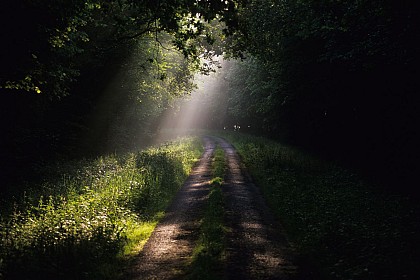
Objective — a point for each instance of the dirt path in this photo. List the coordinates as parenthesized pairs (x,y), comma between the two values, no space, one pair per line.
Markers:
(256,247)
(171,244)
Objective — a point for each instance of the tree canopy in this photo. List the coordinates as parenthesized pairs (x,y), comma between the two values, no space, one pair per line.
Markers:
(337,76)
(93,76)
(48,43)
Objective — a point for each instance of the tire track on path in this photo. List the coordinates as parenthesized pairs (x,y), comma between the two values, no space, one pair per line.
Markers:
(256,246)
(170,246)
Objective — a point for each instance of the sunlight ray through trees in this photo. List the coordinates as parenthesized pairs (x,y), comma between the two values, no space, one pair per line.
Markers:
(83,79)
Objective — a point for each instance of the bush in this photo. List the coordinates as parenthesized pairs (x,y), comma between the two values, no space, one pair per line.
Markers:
(340,224)
(82,231)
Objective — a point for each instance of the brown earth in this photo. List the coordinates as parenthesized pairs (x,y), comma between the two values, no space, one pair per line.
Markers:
(256,247)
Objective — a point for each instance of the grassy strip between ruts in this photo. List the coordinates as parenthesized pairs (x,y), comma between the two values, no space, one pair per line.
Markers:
(208,253)
(91,216)
(343,226)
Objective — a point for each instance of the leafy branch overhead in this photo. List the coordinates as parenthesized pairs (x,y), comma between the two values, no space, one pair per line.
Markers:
(65,37)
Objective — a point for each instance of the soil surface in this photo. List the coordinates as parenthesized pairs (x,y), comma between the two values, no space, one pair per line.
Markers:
(255,244)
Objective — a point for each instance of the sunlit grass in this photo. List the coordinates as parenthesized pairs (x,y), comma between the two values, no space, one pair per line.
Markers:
(82,225)
(137,235)
(341,225)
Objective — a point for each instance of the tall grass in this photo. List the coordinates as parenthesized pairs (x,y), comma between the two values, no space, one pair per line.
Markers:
(341,225)
(84,223)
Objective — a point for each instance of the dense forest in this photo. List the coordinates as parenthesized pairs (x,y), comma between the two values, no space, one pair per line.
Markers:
(316,101)
(87,77)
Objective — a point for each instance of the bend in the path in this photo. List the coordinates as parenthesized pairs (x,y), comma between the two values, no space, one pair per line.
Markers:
(170,246)
(256,246)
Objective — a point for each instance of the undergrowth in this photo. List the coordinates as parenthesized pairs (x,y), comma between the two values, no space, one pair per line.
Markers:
(208,253)
(340,225)
(85,221)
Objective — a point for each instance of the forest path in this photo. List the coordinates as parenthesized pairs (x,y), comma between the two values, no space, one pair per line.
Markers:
(255,246)
(169,248)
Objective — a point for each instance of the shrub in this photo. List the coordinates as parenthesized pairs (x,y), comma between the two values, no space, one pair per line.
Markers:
(82,231)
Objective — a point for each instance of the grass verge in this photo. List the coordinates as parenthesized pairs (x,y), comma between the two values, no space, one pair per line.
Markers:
(344,227)
(208,253)
(86,220)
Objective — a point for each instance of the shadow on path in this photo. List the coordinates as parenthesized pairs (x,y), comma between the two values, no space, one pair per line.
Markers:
(170,246)
(256,247)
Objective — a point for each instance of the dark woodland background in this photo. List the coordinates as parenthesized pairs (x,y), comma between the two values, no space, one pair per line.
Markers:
(339,78)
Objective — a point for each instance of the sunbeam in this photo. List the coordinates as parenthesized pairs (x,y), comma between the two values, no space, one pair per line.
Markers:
(203,109)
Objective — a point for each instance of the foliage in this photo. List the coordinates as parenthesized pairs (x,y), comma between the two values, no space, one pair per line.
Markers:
(147,84)
(254,95)
(340,226)
(325,73)
(47,56)
(116,106)
(90,77)
(82,227)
